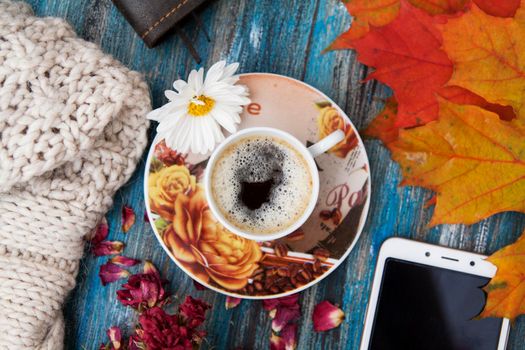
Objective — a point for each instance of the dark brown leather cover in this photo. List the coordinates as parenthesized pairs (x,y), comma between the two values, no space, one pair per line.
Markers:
(151,19)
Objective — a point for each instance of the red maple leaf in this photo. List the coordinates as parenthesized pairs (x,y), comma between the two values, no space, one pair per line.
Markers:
(407,56)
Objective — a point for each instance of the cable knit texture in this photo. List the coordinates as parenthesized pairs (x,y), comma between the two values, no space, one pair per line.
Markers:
(72,129)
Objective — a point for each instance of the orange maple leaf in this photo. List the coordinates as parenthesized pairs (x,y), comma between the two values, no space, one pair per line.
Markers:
(487,53)
(385,125)
(472,160)
(365,13)
(506,290)
(377,13)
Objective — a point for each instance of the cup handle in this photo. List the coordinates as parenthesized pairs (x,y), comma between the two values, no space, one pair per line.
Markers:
(326,143)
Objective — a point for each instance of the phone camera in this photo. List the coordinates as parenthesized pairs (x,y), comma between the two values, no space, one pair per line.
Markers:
(427,254)
(472,263)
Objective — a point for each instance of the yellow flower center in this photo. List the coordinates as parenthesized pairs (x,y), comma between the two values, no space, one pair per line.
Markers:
(200,106)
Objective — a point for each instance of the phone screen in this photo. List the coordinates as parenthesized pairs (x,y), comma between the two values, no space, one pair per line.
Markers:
(427,307)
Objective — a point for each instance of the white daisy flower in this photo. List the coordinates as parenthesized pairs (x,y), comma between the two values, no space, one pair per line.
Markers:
(192,120)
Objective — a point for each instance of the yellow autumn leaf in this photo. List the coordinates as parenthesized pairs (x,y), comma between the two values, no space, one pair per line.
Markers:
(378,13)
(472,160)
(488,54)
(506,290)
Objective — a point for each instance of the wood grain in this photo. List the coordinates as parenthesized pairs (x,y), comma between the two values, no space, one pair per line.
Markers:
(284,37)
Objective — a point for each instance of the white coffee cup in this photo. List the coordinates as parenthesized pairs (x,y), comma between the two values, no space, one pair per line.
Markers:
(307,153)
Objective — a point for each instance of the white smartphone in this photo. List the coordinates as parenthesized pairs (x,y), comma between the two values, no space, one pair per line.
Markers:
(426,297)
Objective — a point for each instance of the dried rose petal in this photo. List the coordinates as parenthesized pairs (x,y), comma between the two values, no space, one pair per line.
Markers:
(276,342)
(115,337)
(327,316)
(270,304)
(134,343)
(289,300)
(107,248)
(232,302)
(272,313)
(128,218)
(193,311)
(284,315)
(143,290)
(198,286)
(149,268)
(289,335)
(124,261)
(286,339)
(159,330)
(110,272)
(100,233)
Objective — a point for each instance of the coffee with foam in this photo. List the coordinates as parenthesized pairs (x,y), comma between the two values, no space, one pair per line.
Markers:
(261,184)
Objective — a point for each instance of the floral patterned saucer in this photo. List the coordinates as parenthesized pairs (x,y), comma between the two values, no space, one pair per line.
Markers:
(218,259)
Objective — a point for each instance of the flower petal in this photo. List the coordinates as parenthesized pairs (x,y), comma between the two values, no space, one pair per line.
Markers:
(224,120)
(134,343)
(128,218)
(232,302)
(110,272)
(272,313)
(149,268)
(124,261)
(284,315)
(270,304)
(215,73)
(289,300)
(276,342)
(101,232)
(286,340)
(327,316)
(142,291)
(289,335)
(179,85)
(193,310)
(230,70)
(115,337)
(107,248)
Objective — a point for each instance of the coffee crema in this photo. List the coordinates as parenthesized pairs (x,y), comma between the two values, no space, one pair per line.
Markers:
(261,184)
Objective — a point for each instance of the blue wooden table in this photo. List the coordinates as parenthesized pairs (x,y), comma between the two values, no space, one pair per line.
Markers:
(284,37)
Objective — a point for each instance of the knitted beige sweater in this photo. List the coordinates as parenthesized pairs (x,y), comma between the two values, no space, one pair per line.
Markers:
(72,128)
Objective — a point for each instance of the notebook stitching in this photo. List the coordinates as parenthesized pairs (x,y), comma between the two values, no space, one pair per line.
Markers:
(163,18)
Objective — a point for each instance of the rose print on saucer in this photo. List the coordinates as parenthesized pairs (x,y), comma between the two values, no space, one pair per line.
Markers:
(222,261)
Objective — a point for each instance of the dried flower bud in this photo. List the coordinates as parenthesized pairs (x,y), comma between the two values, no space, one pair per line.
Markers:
(232,302)
(327,316)
(110,272)
(128,218)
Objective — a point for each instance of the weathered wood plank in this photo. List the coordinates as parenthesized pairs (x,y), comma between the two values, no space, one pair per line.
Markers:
(284,37)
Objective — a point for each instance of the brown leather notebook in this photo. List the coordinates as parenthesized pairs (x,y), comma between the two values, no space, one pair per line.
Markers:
(151,19)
